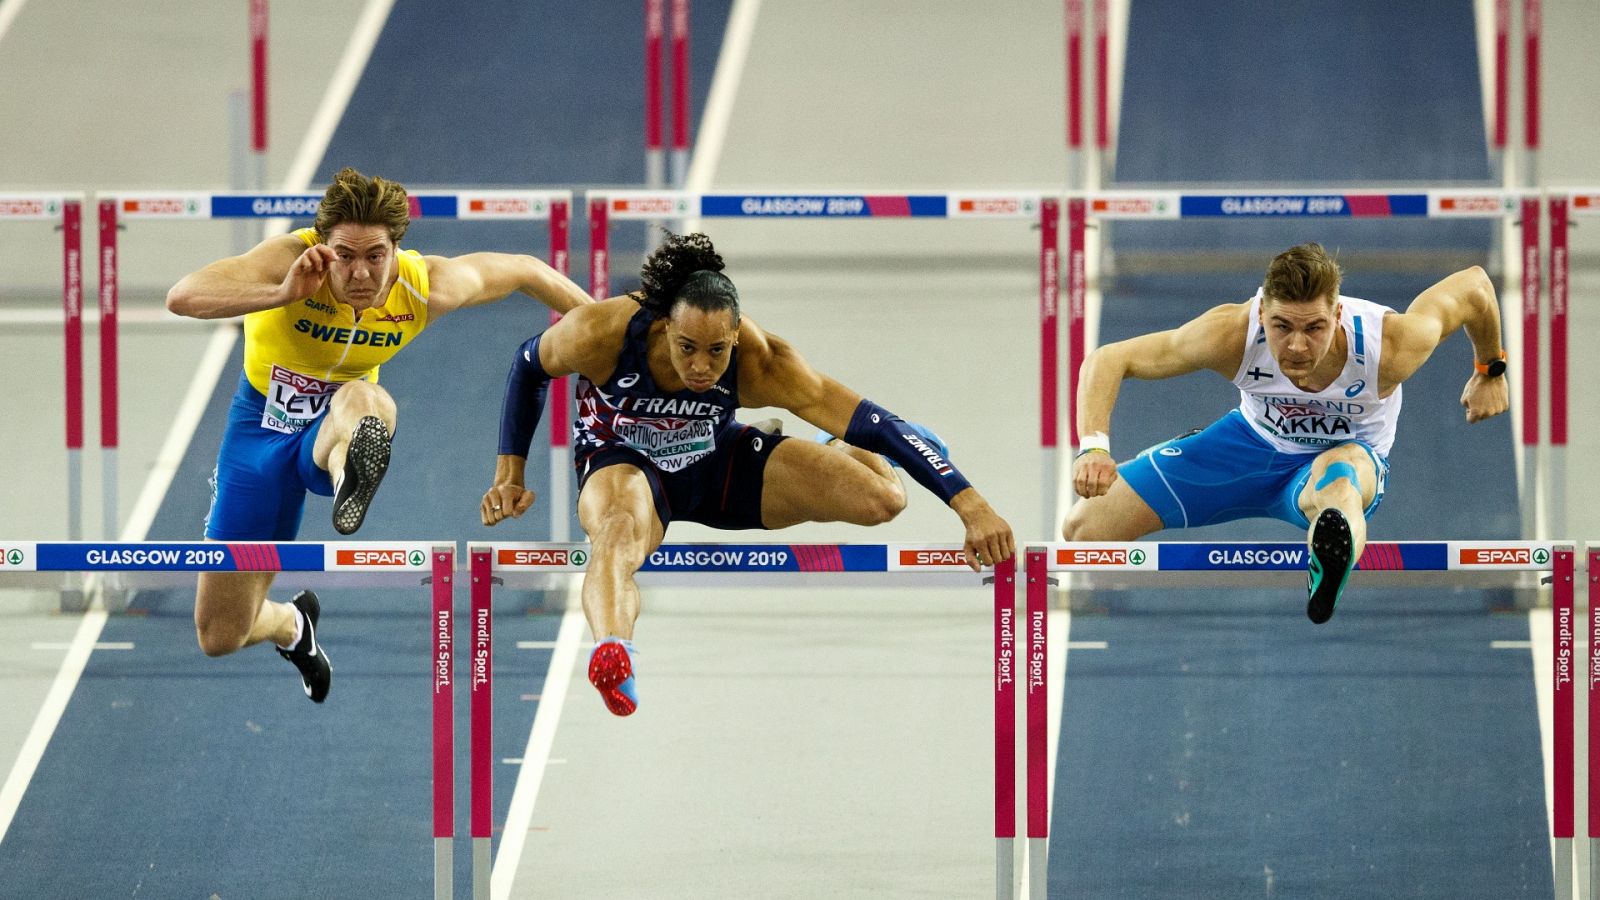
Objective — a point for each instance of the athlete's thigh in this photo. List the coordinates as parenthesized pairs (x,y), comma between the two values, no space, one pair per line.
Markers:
(233,598)
(1119,514)
(809,482)
(621,490)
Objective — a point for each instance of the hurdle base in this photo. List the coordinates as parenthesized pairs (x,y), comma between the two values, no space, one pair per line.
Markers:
(444,876)
(482,867)
(1005,868)
(1038,869)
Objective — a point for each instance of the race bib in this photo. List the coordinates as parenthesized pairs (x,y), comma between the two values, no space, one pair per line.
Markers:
(672,444)
(295,401)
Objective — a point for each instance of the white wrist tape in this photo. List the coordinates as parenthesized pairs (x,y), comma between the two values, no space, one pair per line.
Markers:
(1096,441)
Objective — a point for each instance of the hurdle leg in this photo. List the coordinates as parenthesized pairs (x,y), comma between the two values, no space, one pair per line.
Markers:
(441,626)
(481,748)
(1038,720)
(1005,730)
(1563,642)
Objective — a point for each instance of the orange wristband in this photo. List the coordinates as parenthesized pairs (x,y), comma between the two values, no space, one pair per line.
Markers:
(1483,368)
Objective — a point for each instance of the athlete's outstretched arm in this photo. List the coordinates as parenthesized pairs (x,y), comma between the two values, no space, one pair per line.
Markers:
(275,272)
(1214,340)
(772,373)
(581,342)
(1463,300)
(478,278)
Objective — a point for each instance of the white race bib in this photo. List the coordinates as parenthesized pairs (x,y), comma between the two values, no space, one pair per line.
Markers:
(672,444)
(295,401)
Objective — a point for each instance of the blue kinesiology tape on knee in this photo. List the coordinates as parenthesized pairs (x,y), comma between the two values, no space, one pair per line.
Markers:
(527,385)
(1338,470)
(876,429)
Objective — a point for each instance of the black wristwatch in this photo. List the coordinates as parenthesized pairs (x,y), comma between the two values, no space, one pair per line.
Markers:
(1494,368)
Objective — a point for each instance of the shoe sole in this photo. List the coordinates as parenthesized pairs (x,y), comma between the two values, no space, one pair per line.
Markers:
(609,667)
(1331,546)
(365,463)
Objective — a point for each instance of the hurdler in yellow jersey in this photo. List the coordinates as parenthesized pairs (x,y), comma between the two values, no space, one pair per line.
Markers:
(324,308)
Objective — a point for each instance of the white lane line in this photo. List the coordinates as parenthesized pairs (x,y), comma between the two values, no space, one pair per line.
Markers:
(44,724)
(537,755)
(343,83)
(1086,645)
(63,645)
(707,152)
(312,147)
(184,425)
(1511,645)
(8,14)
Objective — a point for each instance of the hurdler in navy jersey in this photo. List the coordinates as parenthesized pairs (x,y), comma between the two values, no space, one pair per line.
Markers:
(1319,378)
(661,374)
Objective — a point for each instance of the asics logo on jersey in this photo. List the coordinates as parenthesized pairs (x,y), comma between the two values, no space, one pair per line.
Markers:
(627,381)
(1355,389)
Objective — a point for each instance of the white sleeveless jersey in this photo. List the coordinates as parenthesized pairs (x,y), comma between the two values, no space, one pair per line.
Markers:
(1295,421)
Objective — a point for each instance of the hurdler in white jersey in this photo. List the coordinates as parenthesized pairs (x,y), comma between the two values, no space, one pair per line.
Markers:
(1349,409)
(1320,382)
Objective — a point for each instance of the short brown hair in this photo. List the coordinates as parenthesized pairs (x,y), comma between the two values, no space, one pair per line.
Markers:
(353,197)
(1301,274)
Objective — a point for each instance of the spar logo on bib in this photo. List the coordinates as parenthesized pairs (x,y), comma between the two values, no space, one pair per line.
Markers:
(294,400)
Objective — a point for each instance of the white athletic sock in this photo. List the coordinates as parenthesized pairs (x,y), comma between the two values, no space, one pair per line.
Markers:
(299,628)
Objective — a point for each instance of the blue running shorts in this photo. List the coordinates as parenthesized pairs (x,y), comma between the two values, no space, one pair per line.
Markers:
(258,489)
(1226,472)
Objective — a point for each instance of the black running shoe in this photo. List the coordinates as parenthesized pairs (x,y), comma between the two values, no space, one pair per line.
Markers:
(307,654)
(364,464)
(1331,559)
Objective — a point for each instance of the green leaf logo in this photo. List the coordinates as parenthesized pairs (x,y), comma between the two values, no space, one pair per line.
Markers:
(1541,556)
(578,557)
(1136,557)
(418,558)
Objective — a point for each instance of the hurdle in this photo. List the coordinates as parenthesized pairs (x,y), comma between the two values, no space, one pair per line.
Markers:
(116,207)
(367,563)
(1439,563)
(1263,203)
(606,206)
(542,564)
(65,211)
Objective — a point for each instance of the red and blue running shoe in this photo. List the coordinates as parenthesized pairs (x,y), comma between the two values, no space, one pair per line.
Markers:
(611,672)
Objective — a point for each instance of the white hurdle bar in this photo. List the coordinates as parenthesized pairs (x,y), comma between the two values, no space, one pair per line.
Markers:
(510,204)
(1043,207)
(362,562)
(65,210)
(1201,563)
(536,563)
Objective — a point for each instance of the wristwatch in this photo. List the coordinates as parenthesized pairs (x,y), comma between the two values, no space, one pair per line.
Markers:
(1494,368)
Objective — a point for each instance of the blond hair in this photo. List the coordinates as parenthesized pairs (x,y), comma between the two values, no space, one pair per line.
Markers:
(355,198)
(1301,274)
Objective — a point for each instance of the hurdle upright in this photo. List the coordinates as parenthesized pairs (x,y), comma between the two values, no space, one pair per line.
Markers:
(1439,563)
(1042,207)
(65,211)
(545,564)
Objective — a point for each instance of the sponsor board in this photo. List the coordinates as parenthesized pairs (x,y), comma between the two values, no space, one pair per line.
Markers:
(548,559)
(510,206)
(18,556)
(23,207)
(1134,206)
(367,557)
(924,559)
(993,206)
(648,206)
(1471,205)
(1107,557)
(1501,555)
(165,206)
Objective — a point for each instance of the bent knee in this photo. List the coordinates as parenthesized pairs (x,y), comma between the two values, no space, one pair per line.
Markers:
(217,641)
(882,504)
